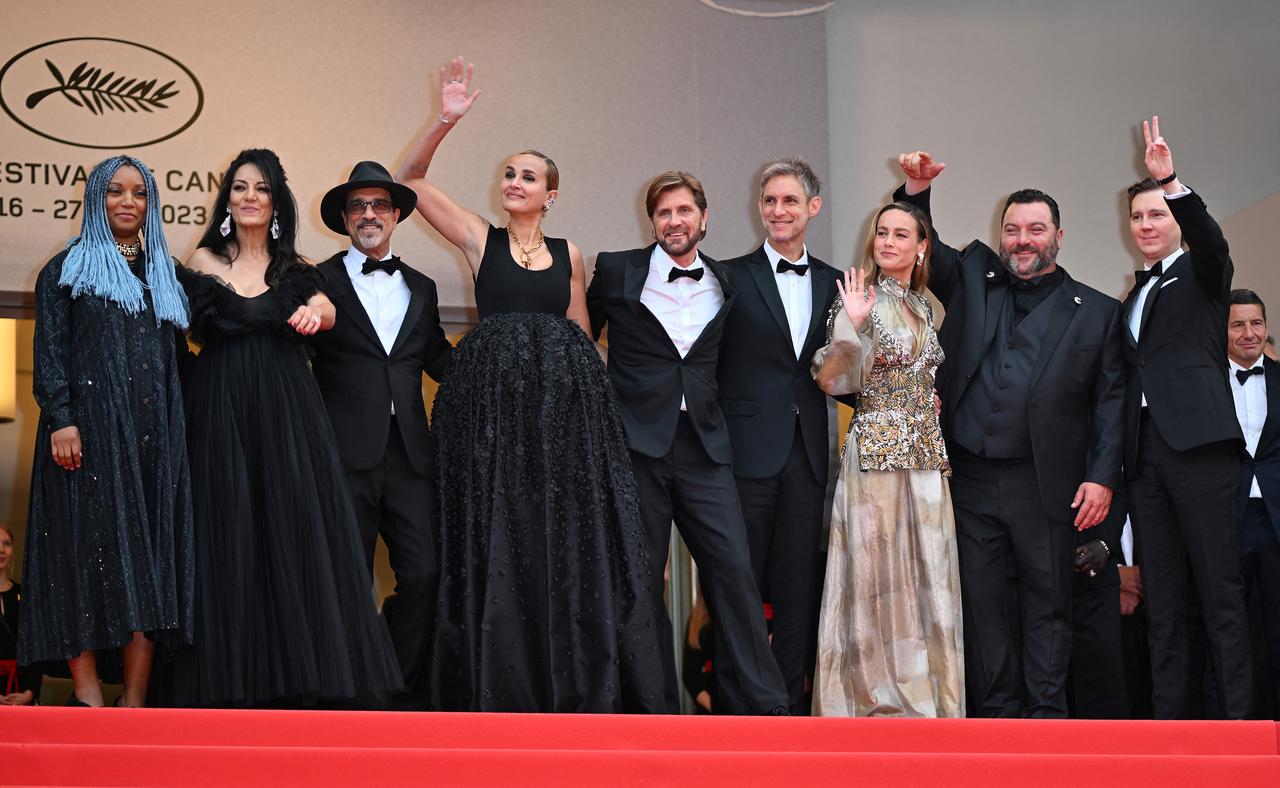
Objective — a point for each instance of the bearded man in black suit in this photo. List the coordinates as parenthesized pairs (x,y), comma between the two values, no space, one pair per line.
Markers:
(370,369)
(666,307)
(1032,410)
(776,414)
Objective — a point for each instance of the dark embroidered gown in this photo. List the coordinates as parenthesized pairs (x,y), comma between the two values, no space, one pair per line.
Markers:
(284,609)
(540,603)
(108,544)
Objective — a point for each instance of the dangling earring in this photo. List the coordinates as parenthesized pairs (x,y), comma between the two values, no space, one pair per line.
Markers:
(920,259)
(275,226)
(550,202)
(225,227)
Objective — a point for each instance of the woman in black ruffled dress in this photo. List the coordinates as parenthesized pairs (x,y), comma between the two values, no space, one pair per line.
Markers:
(284,608)
(541,546)
(108,561)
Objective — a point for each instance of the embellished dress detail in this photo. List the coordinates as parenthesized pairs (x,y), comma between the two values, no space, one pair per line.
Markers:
(285,614)
(890,637)
(109,544)
(541,543)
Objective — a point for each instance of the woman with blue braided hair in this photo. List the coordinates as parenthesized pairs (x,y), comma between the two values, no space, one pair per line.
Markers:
(109,536)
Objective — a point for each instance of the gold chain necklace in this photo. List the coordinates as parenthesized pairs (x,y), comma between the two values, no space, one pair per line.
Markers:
(525,260)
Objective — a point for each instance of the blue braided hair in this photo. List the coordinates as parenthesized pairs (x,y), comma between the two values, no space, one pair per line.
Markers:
(93,264)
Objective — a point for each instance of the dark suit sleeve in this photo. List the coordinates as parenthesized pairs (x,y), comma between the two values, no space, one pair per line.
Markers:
(439,350)
(944,261)
(596,296)
(1210,258)
(1106,453)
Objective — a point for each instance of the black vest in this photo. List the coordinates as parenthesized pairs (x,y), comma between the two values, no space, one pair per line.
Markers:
(991,419)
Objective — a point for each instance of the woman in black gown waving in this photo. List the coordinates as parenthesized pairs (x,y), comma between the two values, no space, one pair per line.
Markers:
(540,607)
(284,610)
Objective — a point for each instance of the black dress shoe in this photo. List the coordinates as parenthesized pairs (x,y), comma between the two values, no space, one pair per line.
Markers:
(74,701)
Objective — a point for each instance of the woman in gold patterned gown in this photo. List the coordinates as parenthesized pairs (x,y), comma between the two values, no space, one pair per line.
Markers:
(890,641)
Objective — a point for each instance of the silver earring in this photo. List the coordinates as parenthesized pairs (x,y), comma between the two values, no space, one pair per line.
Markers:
(550,202)
(920,259)
(225,227)
(275,226)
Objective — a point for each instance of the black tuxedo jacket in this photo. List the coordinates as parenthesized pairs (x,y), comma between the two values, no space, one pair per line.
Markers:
(1075,406)
(647,371)
(1180,361)
(359,380)
(1264,465)
(763,386)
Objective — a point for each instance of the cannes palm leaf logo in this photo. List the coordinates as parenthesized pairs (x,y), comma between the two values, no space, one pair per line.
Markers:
(100,93)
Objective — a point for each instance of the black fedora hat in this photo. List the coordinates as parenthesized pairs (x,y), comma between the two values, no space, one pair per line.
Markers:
(365,175)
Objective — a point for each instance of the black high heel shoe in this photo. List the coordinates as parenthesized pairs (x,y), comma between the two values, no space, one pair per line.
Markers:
(74,701)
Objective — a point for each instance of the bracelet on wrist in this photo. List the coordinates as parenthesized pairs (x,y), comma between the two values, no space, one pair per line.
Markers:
(1166,181)
(444,120)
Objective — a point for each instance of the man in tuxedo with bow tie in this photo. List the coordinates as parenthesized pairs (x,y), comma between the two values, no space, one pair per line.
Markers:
(1254,381)
(776,414)
(1032,396)
(370,368)
(1182,441)
(666,307)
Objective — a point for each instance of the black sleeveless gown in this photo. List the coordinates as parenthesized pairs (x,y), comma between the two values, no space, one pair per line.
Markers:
(285,615)
(541,543)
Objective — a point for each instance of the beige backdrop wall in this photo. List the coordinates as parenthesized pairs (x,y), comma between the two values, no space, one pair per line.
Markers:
(1013,93)
(614,91)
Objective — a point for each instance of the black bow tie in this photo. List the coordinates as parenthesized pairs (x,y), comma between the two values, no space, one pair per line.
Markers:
(1142,277)
(1243,375)
(390,265)
(693,273)
(785,265)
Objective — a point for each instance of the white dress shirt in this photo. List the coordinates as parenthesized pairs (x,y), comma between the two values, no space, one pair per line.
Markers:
(1251,409)
(683,307)
(796,292)
(1135,315)
(385,298)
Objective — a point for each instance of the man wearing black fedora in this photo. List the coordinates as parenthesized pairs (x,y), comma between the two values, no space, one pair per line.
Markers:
(369,368)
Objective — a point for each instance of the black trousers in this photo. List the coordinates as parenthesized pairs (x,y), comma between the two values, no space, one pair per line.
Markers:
(686,486)
(1260,563)
(393,500)
(783,515)
(1095,686)
(1184,509)
(1017,651)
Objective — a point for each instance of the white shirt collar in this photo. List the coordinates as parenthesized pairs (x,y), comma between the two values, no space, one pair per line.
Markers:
(774,256)
(1235,366)
(663,262)
(1166,262)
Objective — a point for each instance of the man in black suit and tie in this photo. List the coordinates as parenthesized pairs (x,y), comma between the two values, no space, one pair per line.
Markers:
(1032,395)
(1254,381)
(369,368)
(666,307)
(777,415)
(1182,442)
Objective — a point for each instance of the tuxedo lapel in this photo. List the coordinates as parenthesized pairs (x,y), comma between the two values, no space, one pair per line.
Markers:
(345,298)
(411,315)
(821,288)
(1271,374)
(726,289)
(762,275)
(1166,275)
(1064,308)
(633,279)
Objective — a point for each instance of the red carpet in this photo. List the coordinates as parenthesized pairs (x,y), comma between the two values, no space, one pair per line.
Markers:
(59,746)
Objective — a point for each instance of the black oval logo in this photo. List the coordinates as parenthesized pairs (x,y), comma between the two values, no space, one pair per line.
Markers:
(100,93)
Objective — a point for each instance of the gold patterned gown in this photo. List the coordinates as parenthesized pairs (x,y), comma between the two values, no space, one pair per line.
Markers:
(890,639)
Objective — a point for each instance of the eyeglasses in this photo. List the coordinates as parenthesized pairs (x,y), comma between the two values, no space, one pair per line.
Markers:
(380,207)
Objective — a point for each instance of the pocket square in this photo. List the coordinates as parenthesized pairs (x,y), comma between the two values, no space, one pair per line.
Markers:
(1163,285)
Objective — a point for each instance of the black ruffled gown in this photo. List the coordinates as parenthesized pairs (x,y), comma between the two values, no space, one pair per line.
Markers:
(541,543)
(284,609)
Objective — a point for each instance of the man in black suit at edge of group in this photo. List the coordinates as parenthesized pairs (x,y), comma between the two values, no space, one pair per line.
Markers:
(1254,381)
(369,368)
(666,307)
(776,414)
(1032,397)
(1182,442)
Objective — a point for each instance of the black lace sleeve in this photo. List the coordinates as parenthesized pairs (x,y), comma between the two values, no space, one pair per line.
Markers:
(52,379)
(297,285)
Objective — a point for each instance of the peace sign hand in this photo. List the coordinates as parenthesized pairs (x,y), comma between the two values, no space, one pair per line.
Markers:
(455,81)
(1158,158)
(857,296)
